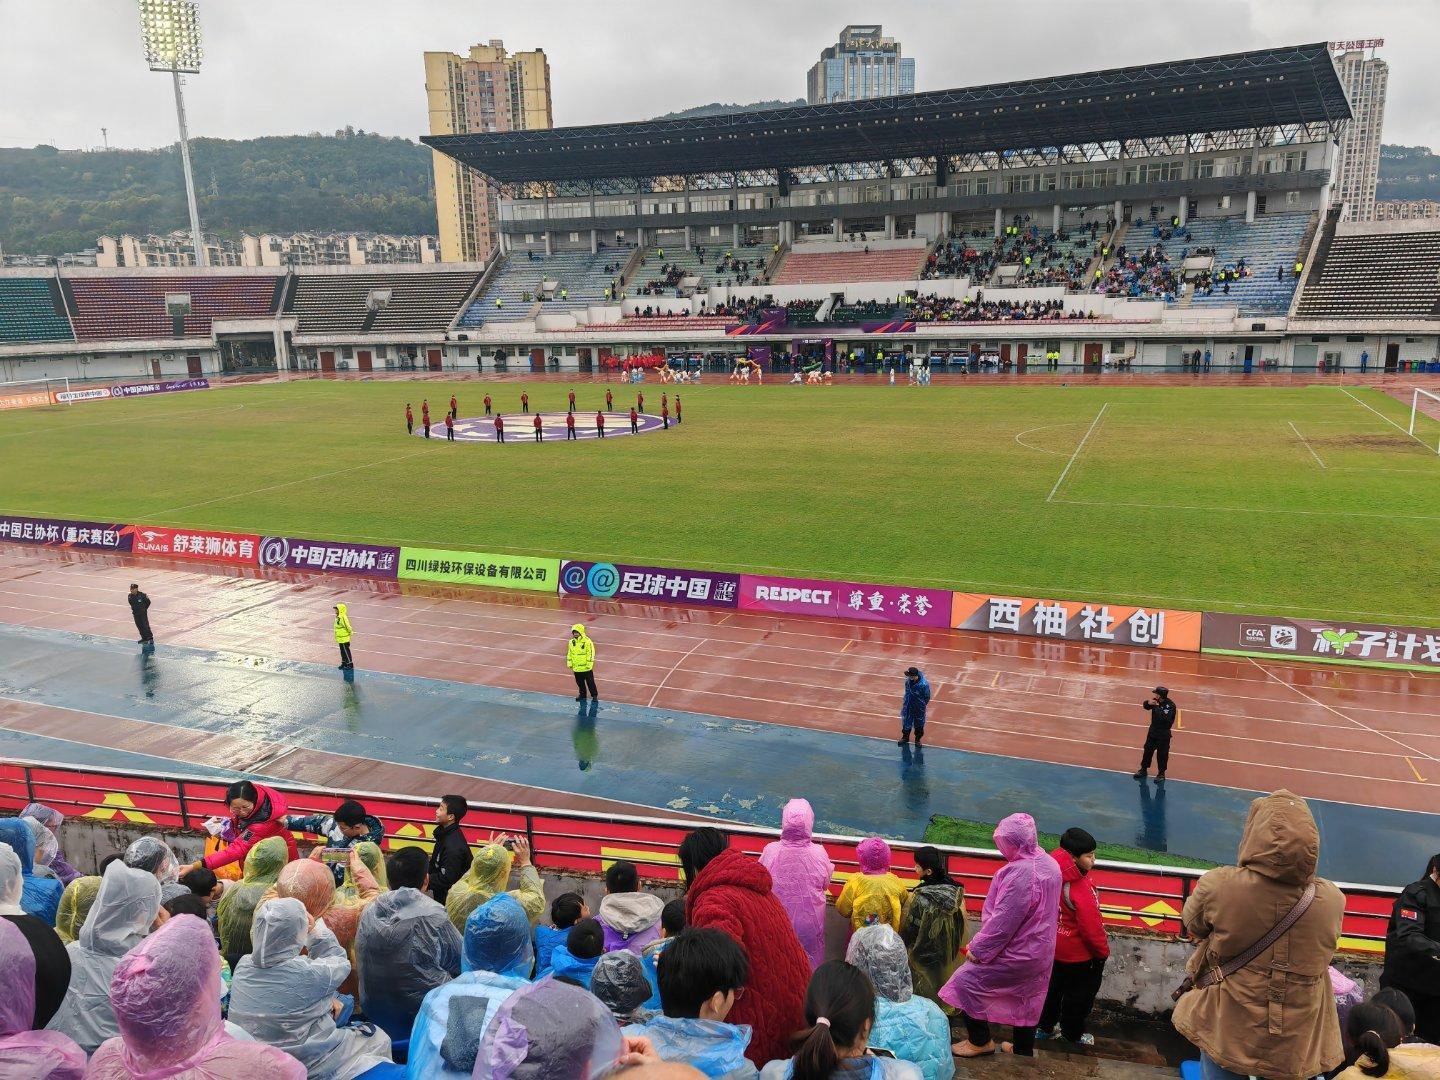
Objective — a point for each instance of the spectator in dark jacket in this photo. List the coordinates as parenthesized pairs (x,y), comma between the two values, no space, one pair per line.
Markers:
(731,892)
(1412,950)
(1081,947)
(450,857)
(912,709)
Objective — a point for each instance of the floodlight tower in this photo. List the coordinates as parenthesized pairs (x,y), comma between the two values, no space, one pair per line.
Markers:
(171,29)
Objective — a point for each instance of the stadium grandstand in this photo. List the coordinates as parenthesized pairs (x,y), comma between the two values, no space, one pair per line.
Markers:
(1152,213)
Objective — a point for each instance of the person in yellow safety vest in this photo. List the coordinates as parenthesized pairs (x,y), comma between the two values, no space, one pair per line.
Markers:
(580,659)
(564,294)
(1027,260)
(499,303)
(343,632)
(1299,266)
(607,294)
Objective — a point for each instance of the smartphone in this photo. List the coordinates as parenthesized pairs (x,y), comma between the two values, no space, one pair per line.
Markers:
(335,855)
(508,845)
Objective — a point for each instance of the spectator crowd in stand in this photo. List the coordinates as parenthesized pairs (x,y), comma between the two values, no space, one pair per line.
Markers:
(255,963)
(978,309)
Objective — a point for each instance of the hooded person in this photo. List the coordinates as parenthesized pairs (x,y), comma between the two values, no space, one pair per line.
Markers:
(46,848)
(308,881)
(580,659)
(166,999)
(1276,1016)
(619,981)
(731,892)
(39,896)
(1007,968)
(52,819)
(282,993)
(874,895)
(496,962)
(934,929)
(353,891)
(911,1027)
(75,904)
(50,961)
(800,873)
(25,1052)
(122,916)
(359,886)
(153,855)
(548,1030)
(629,917)
(488,875)
(236,910)
(405,946)
(257,813)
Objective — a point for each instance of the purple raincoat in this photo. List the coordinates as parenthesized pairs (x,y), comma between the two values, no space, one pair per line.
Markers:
(39,1054)
(1007,970)
(801,873)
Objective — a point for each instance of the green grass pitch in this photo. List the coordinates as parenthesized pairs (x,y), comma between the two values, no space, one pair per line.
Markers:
(1280,501)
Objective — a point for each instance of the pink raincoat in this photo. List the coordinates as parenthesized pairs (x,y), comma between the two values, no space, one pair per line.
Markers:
(36,1055)
(1008,963)
(166,996)
(801,872)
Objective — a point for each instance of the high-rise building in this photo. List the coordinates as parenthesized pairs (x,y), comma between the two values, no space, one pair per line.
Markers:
(1357,166)
(1406,209)
(488,90)
(862,64)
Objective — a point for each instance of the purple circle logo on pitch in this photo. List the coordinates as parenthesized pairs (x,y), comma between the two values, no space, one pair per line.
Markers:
(520,427)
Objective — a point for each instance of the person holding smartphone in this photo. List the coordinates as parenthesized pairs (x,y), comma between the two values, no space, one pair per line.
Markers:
(1157,740)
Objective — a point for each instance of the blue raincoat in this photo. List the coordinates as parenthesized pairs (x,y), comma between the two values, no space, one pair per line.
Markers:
(451,1022)
(717,1049)
(39,896)
(497,938)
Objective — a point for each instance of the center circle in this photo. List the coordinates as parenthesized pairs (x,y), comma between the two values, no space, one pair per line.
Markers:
(520,427)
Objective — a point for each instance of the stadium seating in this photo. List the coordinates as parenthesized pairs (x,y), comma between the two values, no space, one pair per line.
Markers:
(133,308)
(1379,275)
(677,322)
(581,274)
(806,267)
(31,309)
(686,260)
(339,303)
(868,311)
(1272,243)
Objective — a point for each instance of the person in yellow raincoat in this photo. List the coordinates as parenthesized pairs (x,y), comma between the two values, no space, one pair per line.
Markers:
(489,873)
(343,632)
(580,659)
(874,895)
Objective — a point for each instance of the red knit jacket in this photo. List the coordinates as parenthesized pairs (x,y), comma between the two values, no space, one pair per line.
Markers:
(733,894)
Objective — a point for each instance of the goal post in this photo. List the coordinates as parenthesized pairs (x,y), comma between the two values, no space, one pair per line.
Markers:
(1416,412)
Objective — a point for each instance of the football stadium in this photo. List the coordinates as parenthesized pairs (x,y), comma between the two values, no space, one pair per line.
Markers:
(1067,432)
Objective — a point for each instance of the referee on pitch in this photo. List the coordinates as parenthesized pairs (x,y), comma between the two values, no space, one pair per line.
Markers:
(1157,740)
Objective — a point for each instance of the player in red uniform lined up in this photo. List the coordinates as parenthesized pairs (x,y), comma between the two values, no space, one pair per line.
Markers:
(454,409)
(677,408)
(499,427)
(539,432)
(570,426)
(572,400)
(487,404)
(609,399)
(600,424)
(409,420)
(449,427)
(640,400)
(665,415)
(524,402)
(634,421)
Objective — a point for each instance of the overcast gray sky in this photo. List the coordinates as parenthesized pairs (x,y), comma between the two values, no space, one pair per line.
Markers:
(69,67)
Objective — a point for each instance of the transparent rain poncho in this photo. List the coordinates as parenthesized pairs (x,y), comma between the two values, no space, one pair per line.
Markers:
(488,874)
(52,819)
(35,1055)
(619,982)
(934,931)
(713,1047)
(166,998)
(236,909)
(283,998)
(39,896)
(75,904)
(912,1028)
(46,847)
(547,1030)
(123,912)
(801,872)
(404,948)
(310,882)
(154,855)
(451,1024)
(497,938)
(374,860)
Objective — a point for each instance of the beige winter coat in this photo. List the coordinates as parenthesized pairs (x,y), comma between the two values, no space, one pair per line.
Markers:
(1275,1018)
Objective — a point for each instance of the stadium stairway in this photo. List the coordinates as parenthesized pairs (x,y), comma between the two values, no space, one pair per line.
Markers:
(687,259)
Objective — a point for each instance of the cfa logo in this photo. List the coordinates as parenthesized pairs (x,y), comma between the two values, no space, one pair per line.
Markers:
(274,551)
(1269,636)
(603,580)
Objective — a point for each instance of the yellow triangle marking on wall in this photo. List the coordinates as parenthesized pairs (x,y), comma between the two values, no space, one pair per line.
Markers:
(117,806)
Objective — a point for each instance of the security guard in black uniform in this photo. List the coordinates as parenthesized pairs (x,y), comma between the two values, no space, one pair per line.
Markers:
(1412,950)
(1157,740)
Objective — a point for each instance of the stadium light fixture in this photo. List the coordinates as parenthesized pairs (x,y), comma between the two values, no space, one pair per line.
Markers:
(171,32)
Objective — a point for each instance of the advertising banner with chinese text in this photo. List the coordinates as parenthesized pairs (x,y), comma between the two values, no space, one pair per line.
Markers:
(168,387)
(846,600)
(1070,620)
(237,549)
(1320,640)
(623,582)
(92,535)
(27,399)
(329,557)
(478,568)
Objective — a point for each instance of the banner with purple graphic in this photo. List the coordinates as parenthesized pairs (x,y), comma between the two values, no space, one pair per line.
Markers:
(846,600)
(167,387)
(760,354)
(330,557)
(621,582)
(92,535)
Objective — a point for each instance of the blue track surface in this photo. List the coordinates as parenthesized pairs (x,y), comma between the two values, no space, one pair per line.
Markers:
(700,764)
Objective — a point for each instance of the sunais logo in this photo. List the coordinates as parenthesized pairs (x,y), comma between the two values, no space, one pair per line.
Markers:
(788,594)
(152,541)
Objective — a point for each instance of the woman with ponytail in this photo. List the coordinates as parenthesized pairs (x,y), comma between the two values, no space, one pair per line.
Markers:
(839,1012)
(1375,1034)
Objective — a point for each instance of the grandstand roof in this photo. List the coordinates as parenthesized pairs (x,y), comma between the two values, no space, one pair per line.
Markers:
(1293,85)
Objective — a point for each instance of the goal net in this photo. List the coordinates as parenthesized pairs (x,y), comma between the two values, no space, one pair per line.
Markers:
(1425,417)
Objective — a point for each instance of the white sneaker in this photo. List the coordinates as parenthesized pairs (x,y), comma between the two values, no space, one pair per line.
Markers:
(1087,1039)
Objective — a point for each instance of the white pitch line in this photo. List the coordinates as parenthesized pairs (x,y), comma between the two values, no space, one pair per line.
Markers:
(1306,442)
(1080,446)
(672,671)
(1392,423)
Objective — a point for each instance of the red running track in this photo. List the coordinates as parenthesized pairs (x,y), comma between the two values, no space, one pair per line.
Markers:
(1352,735)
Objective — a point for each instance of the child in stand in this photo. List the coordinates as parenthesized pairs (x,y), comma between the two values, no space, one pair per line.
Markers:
(568,909)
